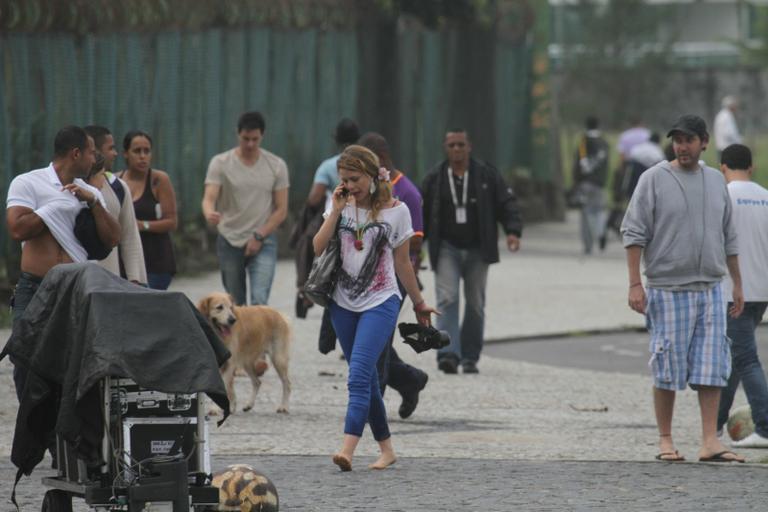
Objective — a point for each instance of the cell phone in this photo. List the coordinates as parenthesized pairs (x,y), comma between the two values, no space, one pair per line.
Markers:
(344,192)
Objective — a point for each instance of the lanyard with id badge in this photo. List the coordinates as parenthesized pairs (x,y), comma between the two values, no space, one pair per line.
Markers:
(461,209)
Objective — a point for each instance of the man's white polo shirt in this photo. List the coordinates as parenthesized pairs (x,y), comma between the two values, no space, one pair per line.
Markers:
(41,191)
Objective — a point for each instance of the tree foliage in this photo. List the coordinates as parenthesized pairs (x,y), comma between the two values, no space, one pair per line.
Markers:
(612,59)
(94,16)
(755,52)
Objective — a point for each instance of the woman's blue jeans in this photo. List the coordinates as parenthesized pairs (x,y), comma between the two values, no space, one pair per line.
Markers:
(746,368)
(363,336)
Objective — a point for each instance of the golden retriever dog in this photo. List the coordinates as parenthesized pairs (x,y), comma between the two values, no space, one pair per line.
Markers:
(250,332)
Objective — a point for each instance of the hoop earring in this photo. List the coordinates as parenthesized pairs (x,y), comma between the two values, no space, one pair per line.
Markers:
(372,188)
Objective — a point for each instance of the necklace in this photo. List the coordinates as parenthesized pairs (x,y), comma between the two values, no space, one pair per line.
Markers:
(359,230)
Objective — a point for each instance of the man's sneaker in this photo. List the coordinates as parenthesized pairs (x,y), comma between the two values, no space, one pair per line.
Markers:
(469,367)
(411,398)
(753,440)
(448,365)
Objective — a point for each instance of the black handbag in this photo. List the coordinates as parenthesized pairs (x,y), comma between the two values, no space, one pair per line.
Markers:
(322,278)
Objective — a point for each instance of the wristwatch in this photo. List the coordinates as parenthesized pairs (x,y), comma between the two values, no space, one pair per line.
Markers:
(145,225)
(258,236)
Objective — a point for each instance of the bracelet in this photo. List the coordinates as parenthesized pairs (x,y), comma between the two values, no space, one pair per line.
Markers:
(636,284)
(92,202)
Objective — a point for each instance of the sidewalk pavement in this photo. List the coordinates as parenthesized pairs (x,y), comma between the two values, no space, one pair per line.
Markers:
(511,411)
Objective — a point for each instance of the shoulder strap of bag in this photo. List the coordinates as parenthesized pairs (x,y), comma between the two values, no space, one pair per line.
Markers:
(119,190)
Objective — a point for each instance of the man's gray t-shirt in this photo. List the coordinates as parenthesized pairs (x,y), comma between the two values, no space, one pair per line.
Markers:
(245,199)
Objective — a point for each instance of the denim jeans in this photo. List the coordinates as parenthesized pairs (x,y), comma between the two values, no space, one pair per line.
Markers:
(159,281)
(260,268)
(362,336)
(393,371)
(453,265)
(593,215)
(746,368)
(22,296)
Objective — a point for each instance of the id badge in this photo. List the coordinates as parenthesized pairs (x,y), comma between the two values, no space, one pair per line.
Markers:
(461,215)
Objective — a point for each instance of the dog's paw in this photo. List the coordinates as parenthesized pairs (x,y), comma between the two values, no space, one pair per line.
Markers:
(282,410)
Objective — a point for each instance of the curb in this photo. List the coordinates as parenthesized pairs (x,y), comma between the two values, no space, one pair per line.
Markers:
(569,334)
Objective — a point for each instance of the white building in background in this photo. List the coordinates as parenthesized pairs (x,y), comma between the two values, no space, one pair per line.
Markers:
(701,32)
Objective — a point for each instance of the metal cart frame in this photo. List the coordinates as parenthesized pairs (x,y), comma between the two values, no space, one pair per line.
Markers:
(167,486)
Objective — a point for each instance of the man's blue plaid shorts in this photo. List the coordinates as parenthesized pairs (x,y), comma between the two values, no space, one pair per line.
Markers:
(688,338)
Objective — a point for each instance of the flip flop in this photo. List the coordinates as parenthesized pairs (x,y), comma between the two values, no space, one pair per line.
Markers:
(718,457)
(670,457)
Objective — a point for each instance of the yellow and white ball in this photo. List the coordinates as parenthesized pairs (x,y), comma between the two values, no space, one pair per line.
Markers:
(740,424)
(243,489)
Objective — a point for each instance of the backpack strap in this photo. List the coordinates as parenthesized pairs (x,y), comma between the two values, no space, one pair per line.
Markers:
(114,182)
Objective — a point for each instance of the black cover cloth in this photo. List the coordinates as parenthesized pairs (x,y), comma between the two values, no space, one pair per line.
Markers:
(84,324)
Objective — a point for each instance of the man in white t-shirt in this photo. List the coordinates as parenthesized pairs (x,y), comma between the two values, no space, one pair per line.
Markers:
(246,198)
(750,217)
(42,206)
(725,129)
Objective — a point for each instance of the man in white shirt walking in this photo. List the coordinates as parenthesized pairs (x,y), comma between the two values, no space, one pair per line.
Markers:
(750,217)
(725,128)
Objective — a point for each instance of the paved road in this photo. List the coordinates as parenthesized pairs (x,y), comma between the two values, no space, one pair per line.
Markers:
(623,352)
(311,483)
(525,434)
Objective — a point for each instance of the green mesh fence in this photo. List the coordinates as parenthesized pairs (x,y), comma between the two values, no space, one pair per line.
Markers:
(187,90)
(439,91)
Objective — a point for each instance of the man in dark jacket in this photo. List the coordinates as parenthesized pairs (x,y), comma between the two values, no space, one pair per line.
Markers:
(590,169)
(464,199)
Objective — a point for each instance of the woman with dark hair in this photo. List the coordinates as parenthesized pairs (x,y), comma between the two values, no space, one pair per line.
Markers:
(374,230)
(154,202)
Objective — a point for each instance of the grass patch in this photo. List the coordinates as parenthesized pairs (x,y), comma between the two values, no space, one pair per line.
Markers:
(759,146)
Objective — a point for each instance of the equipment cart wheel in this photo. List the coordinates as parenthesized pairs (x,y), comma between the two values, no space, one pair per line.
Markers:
(57,500)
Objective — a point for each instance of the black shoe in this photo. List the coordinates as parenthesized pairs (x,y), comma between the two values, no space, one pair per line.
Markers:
(411,399)
(448,365)
(469,367)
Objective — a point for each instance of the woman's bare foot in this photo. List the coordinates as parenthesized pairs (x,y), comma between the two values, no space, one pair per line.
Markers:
(384,461)
(344,462)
